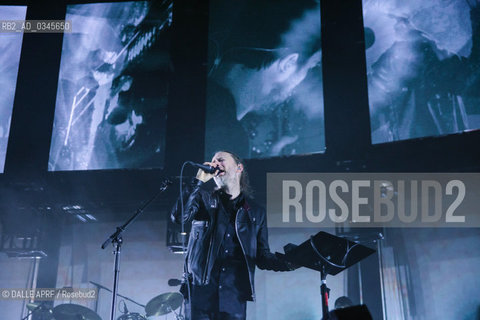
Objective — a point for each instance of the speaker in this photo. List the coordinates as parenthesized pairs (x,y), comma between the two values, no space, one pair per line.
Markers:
(351,313)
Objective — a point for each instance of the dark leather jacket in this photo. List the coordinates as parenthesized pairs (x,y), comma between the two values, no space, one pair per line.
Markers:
(202,209)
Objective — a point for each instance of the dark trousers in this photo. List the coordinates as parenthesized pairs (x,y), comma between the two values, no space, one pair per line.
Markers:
(205,306)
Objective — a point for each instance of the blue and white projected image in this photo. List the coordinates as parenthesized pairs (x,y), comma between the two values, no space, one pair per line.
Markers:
(423,66)
(113,87)
(10,47)
(265,88)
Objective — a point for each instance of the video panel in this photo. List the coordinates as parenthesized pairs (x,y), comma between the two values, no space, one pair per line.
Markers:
(265,88)
(10,48)
(423,61)
(113,87)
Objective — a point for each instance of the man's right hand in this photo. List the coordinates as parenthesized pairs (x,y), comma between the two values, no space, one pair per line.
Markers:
(203,176)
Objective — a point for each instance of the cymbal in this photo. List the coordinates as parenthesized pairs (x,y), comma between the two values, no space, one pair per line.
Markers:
(163,304)
(69,311)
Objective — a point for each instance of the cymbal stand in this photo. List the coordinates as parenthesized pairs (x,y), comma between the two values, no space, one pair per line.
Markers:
(178,316)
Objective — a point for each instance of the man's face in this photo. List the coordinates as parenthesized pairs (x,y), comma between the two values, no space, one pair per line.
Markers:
(230,170)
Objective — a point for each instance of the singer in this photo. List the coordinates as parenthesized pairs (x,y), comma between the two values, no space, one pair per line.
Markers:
(227,241)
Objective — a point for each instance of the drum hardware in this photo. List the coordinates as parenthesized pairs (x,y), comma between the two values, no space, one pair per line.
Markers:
(42,311)
(131,316)
(127,315)
(159,305)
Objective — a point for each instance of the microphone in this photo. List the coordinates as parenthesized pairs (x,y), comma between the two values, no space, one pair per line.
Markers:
(206,168)
(174,282)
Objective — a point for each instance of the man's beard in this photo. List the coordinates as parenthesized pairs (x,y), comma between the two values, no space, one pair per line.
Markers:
(224,182)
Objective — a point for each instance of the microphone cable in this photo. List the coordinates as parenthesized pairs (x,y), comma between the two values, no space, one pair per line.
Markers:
(184,249)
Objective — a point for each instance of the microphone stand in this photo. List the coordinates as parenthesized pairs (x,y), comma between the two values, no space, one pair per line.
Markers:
(116,240)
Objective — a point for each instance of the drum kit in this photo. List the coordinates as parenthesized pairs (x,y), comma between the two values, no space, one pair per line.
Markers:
(160,305)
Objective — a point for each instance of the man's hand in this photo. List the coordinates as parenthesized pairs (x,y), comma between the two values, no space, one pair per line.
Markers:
(203,176)
(290,265)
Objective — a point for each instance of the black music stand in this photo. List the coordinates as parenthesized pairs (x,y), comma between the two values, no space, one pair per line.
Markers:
(327,254)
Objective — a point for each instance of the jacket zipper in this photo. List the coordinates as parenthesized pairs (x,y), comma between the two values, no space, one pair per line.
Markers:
(244,254)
